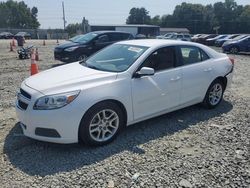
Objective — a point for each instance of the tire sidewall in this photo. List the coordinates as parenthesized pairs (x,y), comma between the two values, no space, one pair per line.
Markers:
(84,134)
(206,101)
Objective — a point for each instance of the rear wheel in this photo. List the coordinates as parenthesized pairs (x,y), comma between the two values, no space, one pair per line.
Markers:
(101,123)
(234,50)
(214,94)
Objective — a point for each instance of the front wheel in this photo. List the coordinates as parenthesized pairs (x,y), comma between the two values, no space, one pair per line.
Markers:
(214,94)
(101,124)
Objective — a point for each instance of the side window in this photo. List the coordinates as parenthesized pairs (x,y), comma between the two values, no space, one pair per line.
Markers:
(125,36)
(179,36)
(204,56)
(103,39)
(190,55)
(114,37)
(161,59)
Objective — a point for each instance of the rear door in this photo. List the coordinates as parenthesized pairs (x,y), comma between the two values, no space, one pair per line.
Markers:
(196,73)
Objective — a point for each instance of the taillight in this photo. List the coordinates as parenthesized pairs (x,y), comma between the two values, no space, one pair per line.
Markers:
(232,60)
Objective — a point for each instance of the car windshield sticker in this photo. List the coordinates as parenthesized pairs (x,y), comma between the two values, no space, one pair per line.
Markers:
(135,49)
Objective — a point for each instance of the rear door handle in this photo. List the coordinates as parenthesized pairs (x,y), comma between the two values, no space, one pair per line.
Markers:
(208,70)
(175,79)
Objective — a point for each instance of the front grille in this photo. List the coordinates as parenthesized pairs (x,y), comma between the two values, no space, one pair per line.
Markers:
(25,94)
(22,105)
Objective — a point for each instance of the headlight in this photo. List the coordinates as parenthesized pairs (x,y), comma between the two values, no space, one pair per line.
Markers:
(71,49)
(55,101)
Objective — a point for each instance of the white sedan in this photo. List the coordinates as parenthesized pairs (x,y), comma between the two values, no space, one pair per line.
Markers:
(124,83)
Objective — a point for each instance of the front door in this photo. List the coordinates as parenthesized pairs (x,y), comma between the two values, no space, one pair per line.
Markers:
(157,93)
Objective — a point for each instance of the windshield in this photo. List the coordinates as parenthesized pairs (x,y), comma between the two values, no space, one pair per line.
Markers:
(84,38)
(240,37)
(115,58)
(75,37)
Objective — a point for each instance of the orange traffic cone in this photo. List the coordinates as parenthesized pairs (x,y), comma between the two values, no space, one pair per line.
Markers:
(44,42)
(37,55)
(33,66)
(11,47)
(13,42)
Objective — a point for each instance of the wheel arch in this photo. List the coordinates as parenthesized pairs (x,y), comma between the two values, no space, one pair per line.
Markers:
(223,80)
(117,102)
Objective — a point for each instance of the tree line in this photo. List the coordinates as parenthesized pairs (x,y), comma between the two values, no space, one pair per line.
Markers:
(225,17)
(18,15)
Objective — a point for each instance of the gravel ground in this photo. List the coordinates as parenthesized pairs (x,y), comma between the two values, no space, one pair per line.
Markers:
(193,147)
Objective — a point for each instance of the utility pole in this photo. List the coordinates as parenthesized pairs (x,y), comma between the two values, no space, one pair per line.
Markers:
(64,21)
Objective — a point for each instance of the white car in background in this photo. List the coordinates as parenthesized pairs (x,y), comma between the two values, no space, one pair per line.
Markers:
(124,83)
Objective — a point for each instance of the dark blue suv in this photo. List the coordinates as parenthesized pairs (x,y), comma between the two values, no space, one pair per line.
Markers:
(236,46)
(80,47)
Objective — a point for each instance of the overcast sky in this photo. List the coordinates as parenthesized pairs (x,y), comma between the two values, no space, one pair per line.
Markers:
(102,11)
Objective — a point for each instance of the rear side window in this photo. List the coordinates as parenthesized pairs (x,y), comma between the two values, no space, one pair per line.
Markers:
(118,36)
(192,54)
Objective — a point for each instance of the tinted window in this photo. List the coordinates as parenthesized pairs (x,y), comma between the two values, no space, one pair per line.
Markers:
(191,54)
(115,36)
(119,36)
(103,39)
(161,59)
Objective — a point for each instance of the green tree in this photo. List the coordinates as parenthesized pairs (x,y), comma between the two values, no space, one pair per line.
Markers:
(18,15)
(138,16)
(244,19)
(73,29)
(156,20)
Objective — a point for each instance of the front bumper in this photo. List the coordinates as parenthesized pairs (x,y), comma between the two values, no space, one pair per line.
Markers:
(58,126)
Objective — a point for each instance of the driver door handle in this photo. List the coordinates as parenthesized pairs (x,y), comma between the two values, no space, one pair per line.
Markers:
(208,70)
(175,79)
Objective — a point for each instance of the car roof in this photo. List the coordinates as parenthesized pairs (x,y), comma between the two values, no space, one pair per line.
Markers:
(107,31)
(156,42)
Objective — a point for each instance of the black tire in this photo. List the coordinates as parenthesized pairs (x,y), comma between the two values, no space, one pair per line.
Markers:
(207,102)
(234,50)
(84,129)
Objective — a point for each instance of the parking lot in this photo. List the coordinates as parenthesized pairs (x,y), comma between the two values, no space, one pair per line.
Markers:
(193,147)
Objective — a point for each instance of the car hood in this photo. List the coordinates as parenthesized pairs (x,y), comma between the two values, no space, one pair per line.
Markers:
(73,76)
(67,45)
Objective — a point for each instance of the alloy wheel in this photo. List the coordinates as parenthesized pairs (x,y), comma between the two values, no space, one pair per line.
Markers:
(215,94)
(104,125)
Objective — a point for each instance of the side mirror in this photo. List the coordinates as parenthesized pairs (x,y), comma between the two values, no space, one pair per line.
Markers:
(145,71)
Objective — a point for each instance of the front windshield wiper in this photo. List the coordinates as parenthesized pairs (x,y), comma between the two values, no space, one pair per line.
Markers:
(89,66)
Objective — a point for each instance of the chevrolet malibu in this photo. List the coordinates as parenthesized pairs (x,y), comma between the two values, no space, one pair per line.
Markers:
(127,82)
